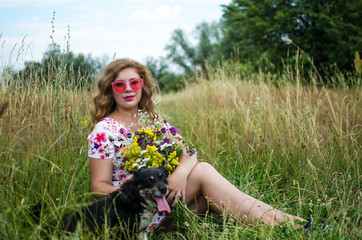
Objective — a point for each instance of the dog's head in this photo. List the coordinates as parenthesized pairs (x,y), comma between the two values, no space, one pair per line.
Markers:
(152,183)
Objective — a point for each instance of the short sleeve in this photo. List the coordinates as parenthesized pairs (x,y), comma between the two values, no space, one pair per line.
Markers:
(100,144)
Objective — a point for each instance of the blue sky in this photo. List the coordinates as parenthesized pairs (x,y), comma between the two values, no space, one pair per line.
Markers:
(120,28)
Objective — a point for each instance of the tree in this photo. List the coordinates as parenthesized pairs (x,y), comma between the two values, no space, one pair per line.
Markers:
(208,47)
(166,80)
(158,68)
(180,51)
(190,57)
(330,31)
(65,66)
(6,75)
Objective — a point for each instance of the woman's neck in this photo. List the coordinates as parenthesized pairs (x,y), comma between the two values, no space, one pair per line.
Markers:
(127,117)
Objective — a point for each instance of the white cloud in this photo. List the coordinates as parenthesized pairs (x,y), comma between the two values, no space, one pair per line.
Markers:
(141,15)
(35,19)
(162,12)
(166,11)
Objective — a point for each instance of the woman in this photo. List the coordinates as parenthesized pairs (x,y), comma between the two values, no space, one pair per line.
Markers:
(124,88)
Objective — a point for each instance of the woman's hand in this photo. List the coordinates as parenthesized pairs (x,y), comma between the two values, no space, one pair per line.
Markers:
(177,181)
(177,187)
(129,177)
(174,138)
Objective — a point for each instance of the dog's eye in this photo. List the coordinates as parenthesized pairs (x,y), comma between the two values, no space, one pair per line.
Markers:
(151,179)
(162,176)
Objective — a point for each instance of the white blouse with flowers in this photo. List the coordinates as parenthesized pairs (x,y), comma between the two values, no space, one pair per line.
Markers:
(105,142)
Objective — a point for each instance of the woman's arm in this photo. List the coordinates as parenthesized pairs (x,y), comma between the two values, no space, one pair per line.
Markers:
(177,180)
(101,171)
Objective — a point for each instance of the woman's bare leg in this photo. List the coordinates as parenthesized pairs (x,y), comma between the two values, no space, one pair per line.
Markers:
(199,205)
(205,182)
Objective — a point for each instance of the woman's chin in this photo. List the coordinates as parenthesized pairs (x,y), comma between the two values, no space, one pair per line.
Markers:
(129,106)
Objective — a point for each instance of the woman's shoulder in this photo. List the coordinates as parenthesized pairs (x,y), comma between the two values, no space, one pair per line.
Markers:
(107,125)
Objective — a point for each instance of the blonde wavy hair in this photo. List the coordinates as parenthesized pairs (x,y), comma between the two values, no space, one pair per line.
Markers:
(103,102)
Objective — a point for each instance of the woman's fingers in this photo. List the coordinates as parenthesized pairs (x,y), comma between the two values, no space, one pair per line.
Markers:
(177,198)
(129,177)
(175,138)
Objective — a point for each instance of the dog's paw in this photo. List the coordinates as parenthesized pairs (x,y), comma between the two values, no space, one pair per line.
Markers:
(142,235)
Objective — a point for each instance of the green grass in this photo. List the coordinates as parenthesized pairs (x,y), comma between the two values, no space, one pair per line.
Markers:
(295,147)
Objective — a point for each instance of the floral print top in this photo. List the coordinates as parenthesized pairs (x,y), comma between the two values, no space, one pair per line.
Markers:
(105,142)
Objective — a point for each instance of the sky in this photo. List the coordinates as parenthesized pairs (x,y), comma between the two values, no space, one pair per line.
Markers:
(113,28)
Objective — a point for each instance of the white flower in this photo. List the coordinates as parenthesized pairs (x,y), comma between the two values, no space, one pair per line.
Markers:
(139,166)
(288,40)
(166,145)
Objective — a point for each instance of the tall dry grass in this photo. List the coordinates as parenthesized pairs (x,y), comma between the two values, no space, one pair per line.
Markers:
(43,148)
(295,147)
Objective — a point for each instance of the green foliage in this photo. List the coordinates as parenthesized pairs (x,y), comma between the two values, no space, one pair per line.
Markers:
(172,82)
(167,81)
(193,57)
(256,27)
(157,67)
(180,51)
(329,31)
(57,65)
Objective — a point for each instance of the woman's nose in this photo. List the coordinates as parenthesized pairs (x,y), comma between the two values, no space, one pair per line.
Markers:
(128,88)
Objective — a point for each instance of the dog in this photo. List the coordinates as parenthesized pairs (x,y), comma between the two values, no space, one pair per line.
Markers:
(135,204)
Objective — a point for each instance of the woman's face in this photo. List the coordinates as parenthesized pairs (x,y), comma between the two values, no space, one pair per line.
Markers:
(129,99)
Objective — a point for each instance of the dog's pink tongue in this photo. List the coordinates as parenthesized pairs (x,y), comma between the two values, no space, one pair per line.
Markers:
(162,204)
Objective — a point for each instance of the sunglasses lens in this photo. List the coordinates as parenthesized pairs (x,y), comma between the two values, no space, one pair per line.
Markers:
(119,87)
(136,84)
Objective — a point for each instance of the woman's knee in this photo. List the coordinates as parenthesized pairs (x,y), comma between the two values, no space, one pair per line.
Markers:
(199,175)
(202,169)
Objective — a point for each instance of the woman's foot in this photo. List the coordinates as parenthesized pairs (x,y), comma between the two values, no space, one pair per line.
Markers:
(310,225)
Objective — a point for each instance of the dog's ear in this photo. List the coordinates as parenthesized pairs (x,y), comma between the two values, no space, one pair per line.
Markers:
(134,173)
(164,170)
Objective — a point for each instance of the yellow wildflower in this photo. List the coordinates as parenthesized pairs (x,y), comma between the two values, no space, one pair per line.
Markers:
(147,131)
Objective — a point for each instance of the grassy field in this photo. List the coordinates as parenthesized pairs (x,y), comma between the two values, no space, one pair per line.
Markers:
(295,147)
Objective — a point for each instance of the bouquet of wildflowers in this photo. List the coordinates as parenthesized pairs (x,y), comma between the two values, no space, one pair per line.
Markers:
(152,146)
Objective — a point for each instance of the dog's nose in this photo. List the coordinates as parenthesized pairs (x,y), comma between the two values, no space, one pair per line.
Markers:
(163,189)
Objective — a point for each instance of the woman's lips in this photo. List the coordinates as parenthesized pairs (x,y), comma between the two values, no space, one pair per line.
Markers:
(129,98)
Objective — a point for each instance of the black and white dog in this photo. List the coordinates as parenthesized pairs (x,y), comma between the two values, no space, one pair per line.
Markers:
(135,204)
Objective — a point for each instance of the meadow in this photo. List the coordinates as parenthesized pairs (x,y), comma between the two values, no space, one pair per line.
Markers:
(294,146)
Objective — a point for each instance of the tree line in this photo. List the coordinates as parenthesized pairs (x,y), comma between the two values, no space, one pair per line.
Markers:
(325,34)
